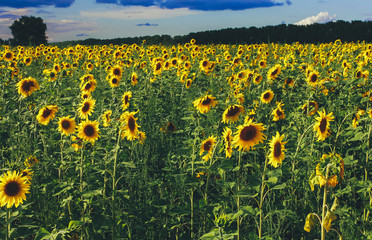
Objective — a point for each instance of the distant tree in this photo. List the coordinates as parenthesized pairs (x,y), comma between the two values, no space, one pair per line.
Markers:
(29,31)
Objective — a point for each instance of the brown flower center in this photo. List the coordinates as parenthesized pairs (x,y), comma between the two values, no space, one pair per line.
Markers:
(277,149)
(158,66)
(65,124)
(12,189)
(233,111)
(88,86)
(8,55)
(117,72)
(89,130)
(274,72)
(46,112)
(207,101)
(131,124)
(279,113)
(248,133)
(86,107)
(323,125)
(266,96)
(207,146)
(114,80)
(313,78)
(26,86)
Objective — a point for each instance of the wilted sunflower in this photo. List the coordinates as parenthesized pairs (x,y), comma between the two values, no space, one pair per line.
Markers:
(278,112)
(267,96)
(126,98)
(30,161)
(27,86)
(248,135)
(231,114)
(66,125)
(46,114)
(169,127)
(106,118)
(86,107)
(142,137)
(205,103)
(227,137)
(313,108)
(89,131)
(277,149)
(13,189)
(321,127)
(207,146)
(130,126)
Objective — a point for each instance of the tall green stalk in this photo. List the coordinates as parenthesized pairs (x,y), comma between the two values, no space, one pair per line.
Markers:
(114,182)
(322,236)
(238,198)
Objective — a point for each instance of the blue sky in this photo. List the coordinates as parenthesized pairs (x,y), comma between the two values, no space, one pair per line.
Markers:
(105,19)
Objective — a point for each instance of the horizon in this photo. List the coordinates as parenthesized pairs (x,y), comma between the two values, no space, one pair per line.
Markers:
(71,20)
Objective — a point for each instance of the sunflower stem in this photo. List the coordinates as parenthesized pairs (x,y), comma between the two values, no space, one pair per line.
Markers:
(114,186)
(262,196)
(238,198)
(322,236)
(7,229)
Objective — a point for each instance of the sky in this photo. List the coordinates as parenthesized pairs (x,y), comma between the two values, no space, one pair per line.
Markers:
(107,19)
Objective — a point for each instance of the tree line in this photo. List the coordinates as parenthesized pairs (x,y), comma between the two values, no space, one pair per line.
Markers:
(31,31)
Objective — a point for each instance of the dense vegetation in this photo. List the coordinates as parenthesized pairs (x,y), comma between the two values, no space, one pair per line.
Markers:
(186,141)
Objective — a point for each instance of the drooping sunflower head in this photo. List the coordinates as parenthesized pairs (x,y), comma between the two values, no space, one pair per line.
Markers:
(277,150)
(231,114)
(205,103)
(46,114)
(278,112)
(89,86)
(125,99)
(227,136)
(274,72)
(267,96)
(89,131)
(310,108)
(207,146)
(86,108)
(134,78)
(66,125)
(13,189)
(27,86)
(248,135)
(106,118)
(188,83)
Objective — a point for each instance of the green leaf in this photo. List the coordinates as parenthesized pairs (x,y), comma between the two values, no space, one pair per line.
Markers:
(42,234)
(280,186)
(75,224)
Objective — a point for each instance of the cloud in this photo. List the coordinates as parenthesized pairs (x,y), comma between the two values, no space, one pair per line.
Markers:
(67,25)
(322,17)
(203,5)
(82,35)
(137,12)
(148,24)
(35,3)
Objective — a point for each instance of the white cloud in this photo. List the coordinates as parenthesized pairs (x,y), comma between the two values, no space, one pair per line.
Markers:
(322,17)
(139,12)
(67,25)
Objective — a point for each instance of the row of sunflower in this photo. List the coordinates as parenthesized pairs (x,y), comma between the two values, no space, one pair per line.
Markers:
(233,140)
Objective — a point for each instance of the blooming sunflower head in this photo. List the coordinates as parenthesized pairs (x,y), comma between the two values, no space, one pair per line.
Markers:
(277,149)
(267,96)
(321,127)
(89,131)
(278,112)
(129,126)
(227,137)
(310,108)
(207,146)
(125,99)
(205,103)
(86,107)
(27,86)
(66,125)
(248,135)
(46,114)
(231,114)
(13,189)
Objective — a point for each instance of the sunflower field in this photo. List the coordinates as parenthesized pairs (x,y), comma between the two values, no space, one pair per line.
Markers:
(262,141)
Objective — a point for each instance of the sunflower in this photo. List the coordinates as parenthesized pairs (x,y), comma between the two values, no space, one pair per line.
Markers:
(27,61)
(267,96)
(313,108)
(66,125)
(86,107)
(313,78)
(134,78)
(278,112)
(157,67)
(188,83)
(227,136)
(257,79)
(289,81)
(8,56)
(231,114)
(30,161)
(204,65)
(89,131)
(27,174)
(114,81)
(248,135)
(89,86)
(13,189)
(273,72)
(277,149)
(142,137)
(262,63)
(106,118)
(205,103)
(321,127)
(169,127)
(207,146)
(125,100)
(116,71)
(27,86)
(46,114)
(130,126)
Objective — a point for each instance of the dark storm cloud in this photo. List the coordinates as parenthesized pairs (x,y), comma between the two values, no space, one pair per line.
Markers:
(147,24)
(35,3)
(204,5)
